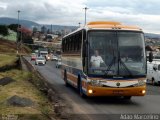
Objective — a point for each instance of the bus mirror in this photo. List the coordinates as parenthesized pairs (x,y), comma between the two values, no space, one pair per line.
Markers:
(150,57)
(155,68)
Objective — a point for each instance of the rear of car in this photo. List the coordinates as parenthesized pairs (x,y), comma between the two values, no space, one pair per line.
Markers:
(54,58)
(33,56)
(58,64)
(40,61)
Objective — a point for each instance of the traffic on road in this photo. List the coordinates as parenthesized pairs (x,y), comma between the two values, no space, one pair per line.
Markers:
(97,107)
(98,82)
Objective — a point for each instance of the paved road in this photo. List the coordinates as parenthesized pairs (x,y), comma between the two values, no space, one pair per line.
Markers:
(105,105)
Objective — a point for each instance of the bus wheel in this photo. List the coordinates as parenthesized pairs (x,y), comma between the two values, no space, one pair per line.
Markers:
(80,88)
(65,78)
(127,97)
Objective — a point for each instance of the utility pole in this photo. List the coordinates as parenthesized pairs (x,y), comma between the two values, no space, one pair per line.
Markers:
(85,15)
(18,31)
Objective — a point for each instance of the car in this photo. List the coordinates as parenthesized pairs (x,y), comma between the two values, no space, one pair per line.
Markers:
(59,59)
(48,57)
(40,60)
(58,63)
(54,57)
(33,56)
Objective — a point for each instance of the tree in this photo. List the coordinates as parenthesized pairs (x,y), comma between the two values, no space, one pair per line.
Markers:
(13,27)
(3,30)
(34,29)
(26,35)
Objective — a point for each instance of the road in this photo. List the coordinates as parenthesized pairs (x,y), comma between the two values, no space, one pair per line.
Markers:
(97,107)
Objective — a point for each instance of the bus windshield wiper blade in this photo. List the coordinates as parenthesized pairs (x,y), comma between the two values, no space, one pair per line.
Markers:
(110,65)
(126,68)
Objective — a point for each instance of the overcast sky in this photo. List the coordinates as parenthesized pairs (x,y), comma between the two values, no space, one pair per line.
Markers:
(143,13)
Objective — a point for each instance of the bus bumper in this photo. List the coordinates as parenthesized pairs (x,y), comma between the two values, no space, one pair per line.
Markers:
(106,91)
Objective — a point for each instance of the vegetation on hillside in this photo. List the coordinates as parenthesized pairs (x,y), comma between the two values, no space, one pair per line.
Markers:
(16,33)
(11,36)
(3,30)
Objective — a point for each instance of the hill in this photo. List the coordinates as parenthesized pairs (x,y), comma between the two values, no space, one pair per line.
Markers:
(26,23)
(152,35)
(30,24)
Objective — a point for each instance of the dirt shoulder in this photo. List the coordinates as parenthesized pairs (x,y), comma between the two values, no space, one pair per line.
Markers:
(21,87)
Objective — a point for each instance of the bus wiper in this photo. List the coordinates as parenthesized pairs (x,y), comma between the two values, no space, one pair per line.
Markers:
(126,68)
(110,65)
(112,62)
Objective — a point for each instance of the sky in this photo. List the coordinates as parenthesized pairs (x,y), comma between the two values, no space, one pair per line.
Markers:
(142,13)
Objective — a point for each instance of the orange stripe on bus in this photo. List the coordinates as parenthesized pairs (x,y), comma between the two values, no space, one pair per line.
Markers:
(71,77)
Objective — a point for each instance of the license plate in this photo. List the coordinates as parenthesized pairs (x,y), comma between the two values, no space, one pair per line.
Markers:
(118,92)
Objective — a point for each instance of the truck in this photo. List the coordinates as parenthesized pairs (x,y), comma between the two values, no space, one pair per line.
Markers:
(153,72)
(43,52)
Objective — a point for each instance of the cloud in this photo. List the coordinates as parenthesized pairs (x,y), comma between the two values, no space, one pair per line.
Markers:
(144,13)
(3,6)
(148,22)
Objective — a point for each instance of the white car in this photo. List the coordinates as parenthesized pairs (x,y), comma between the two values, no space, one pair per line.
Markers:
(40,60)
(48,57)
(54,57)
(58,64)
(153,72)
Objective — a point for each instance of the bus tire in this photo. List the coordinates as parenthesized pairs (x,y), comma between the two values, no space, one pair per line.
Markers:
(80,91)
(65,78)
(127,97)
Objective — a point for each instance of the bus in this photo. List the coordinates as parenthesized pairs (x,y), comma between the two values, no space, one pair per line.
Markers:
(105,58)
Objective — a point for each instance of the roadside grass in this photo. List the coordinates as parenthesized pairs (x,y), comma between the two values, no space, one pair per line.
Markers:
(10,47)
(9,59)
(6,49)
(23,88)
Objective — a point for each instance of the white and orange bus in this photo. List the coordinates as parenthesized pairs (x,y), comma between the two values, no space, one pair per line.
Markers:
(121,49)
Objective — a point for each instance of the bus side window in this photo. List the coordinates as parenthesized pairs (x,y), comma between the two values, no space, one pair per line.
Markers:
(70,44)
(67,44)
(158,67)
(63,45)
(73,43)
(79,41)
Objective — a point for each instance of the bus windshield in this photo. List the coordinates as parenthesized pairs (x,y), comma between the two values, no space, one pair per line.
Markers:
(116,53)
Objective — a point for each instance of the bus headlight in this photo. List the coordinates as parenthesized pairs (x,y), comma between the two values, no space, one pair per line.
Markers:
(140,83)
(143,91)
(90,91)
(95,82)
